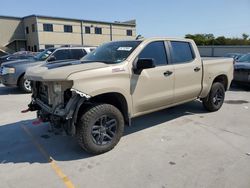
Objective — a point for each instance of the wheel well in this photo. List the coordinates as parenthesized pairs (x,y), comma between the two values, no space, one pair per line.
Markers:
(222,79)
(115,99)
(19,78)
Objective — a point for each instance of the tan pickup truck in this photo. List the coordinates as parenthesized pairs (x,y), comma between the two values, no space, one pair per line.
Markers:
(95,97)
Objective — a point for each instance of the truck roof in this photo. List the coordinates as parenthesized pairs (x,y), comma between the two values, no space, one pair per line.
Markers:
(160,38)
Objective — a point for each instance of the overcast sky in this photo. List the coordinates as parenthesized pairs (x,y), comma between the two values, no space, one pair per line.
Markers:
(173,18)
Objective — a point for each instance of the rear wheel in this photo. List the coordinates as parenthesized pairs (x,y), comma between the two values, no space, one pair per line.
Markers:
(24,85)
(100,128)
(215,98)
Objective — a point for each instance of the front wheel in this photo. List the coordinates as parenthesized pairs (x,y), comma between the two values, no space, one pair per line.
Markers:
(215,98)
(25,85)
(100,128)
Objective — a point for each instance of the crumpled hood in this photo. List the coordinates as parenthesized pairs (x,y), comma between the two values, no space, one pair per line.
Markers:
(242,65)
(58,71)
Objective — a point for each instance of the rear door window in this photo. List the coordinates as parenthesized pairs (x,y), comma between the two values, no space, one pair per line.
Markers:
(62,55)
(78,53)
(181,52)
(155,50)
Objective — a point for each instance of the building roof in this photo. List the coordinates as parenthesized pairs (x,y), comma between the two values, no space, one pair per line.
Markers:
(126,23)
(10,17)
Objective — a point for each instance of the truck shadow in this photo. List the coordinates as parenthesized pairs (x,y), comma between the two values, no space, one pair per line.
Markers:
(19,146)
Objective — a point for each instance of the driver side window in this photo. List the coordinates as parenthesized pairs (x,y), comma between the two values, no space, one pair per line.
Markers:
(155,50)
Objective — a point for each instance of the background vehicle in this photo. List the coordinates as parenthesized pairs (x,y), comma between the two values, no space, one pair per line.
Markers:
(17,56)
(236,56)
(244,58)
(12,73)
(242,70)
(94,99)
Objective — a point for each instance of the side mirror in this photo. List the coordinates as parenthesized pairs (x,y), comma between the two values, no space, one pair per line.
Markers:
(143,63)
(51,58)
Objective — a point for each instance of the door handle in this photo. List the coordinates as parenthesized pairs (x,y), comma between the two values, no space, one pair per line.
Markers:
(196,69)
(168,73)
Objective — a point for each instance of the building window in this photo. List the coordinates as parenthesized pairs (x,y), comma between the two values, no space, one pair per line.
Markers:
(27,30)
(35,48)
(68,29)
(98,30)
(129,32)
(48,27)
(87,30)
(28,48)
(49,46)
(33,27)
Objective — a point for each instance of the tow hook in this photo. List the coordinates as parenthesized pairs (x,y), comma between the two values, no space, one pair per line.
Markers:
(25,111)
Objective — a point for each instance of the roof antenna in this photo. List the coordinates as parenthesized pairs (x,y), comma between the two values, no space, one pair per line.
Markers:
(139,37)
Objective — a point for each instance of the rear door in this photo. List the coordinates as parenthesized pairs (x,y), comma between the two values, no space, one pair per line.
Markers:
(153,88)
(78,53)
(62,54)
(187,71)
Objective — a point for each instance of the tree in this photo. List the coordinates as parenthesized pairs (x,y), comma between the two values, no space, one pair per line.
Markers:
(245,36)
(209,39)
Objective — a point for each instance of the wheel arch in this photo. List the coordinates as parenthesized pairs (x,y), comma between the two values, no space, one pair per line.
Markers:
(114,98)
(222,79)
(19,78)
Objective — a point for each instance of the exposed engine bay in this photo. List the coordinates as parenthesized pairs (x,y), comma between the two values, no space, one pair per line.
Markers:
(57,103)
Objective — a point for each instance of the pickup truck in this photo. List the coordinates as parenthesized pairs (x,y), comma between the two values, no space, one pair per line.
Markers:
(93,100)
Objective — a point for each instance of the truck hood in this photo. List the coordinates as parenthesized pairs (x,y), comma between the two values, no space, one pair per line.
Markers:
(17,62)
(59,71)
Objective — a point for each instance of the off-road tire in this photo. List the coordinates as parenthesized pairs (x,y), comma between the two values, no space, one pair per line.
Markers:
(211,102)
(23,85)
(88,119)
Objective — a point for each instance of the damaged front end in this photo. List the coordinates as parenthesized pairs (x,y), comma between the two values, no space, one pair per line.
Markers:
(56,102)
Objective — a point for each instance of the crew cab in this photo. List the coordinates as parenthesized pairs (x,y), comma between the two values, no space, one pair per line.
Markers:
(94,99)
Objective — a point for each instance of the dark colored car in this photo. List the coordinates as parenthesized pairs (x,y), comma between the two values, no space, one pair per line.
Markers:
(16,56)
(12,73)
(242,70)
(236,56)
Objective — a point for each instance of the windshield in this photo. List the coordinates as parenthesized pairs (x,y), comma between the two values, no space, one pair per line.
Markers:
(244,58)
(44,55)
(112,52)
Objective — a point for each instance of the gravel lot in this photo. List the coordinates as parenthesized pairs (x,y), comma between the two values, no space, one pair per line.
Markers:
(181,147)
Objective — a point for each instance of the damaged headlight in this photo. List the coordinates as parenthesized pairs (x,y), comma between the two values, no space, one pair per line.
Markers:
(57,88)
(80,93)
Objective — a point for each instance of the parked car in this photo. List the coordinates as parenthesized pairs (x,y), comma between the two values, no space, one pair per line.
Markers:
(236,56)
(244,58)
(17,56)
(94,99)
(242,70)
(12,73)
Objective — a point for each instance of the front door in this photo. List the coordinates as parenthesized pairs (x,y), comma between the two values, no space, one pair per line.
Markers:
(153,88)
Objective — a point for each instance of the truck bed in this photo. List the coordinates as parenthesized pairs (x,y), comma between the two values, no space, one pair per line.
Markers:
(213,66)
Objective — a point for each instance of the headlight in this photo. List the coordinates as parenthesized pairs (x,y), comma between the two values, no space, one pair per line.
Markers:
(8,70)
(57,88)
